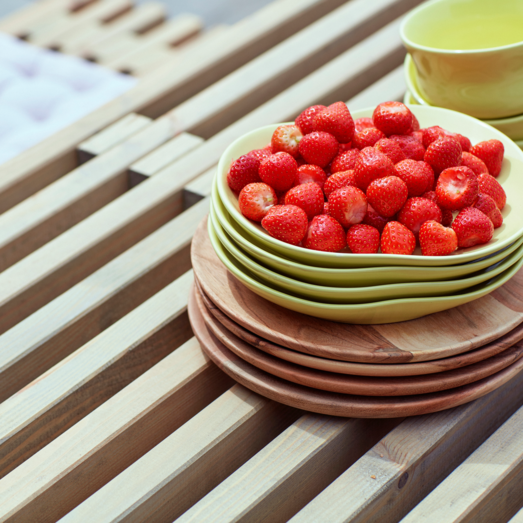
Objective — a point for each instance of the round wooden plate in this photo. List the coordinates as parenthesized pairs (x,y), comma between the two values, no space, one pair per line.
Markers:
(363,369)
(358,385)
(432,337)
(331,403)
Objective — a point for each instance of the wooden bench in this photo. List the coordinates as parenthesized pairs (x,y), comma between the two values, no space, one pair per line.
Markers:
(109,409)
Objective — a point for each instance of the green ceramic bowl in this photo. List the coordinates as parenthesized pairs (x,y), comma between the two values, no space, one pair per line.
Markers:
(511,177)
(354,277)
(356,294)
(389,311)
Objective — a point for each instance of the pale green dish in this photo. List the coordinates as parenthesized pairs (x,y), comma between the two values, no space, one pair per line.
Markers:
(357,294)
(353,277)
(511,177)
(389,311)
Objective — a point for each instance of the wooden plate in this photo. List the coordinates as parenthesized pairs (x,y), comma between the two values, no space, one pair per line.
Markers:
(432,337)
(358,385)
(331,403)
(364,369)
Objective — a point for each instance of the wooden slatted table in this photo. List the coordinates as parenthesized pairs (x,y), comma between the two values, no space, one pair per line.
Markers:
(109,410)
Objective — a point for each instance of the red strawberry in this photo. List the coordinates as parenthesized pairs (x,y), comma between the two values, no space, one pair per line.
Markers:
(411,147)
(279,171)
(418,178)
(325,234)
(363,123)
(363,239)
(336,120)
(373,218)
(281,198)
(306,118)
(417,135)
(472,227)
(457,188)
(371,165)
(446,217)
(491,152)
(286,138)
(489,185)
(442,154)
(367,138)
(308,197)
(474,163)
(339,180)
(387,195)
(416,212)
(261,154)
(463,141)
(391,149)
(318,148)
(326,208)
(397,239)
(436,240)
(344,147)
(430,195)
(311,173)
(243,171)
(345,161)
(287,223)
(488,207)
(256,199)
(348,205)
(392,118)
(431,134)
(415,124)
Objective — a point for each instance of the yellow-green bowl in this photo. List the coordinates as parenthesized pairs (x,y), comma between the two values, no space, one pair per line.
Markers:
(389,311)
(511,177)
(355,277)
(468,54)
(356,294)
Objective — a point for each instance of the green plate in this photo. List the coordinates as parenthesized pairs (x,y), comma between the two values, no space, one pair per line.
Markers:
(355,277)
(390,311)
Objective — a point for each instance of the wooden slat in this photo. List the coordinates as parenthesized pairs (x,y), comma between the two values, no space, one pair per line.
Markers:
(181,469)
(486,487)
(43,339)
(399,471)
(290,470)
(56,266)
(113,135)
(199,188)
(518,518)
(106,441)
(160,91)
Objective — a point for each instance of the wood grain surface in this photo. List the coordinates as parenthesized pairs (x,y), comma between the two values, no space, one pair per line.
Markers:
(336,404)
(432,337)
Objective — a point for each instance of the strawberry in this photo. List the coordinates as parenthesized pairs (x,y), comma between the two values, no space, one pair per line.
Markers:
(344,147)
(318,148)
(472,227)
(348,205)
(418,178)
(339,180)
(336,120)
(446,217)
(489,185)
(307,196)
(345,161)
(431,134)
(243,171)
(306,118)
(411,147)
(363,123)
(279,171)
(373,218)
(436,240)
(326,208)
(397,239)
(463,141)
(286,138)
(371,165)
(415,124)
(430,195)
(391,149)
(488,207)
(311,173)
(474,163)
(325,234)
(256,199)
(416,212)
(261,154)
(367,138)
(491,152)
(287,223)
(417,135)
(457,188)
(363,239)
(281,198)
(392,118)
(387,195)
(442,154)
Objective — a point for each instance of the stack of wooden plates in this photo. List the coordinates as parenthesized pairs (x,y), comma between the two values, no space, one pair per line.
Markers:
(379,371)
